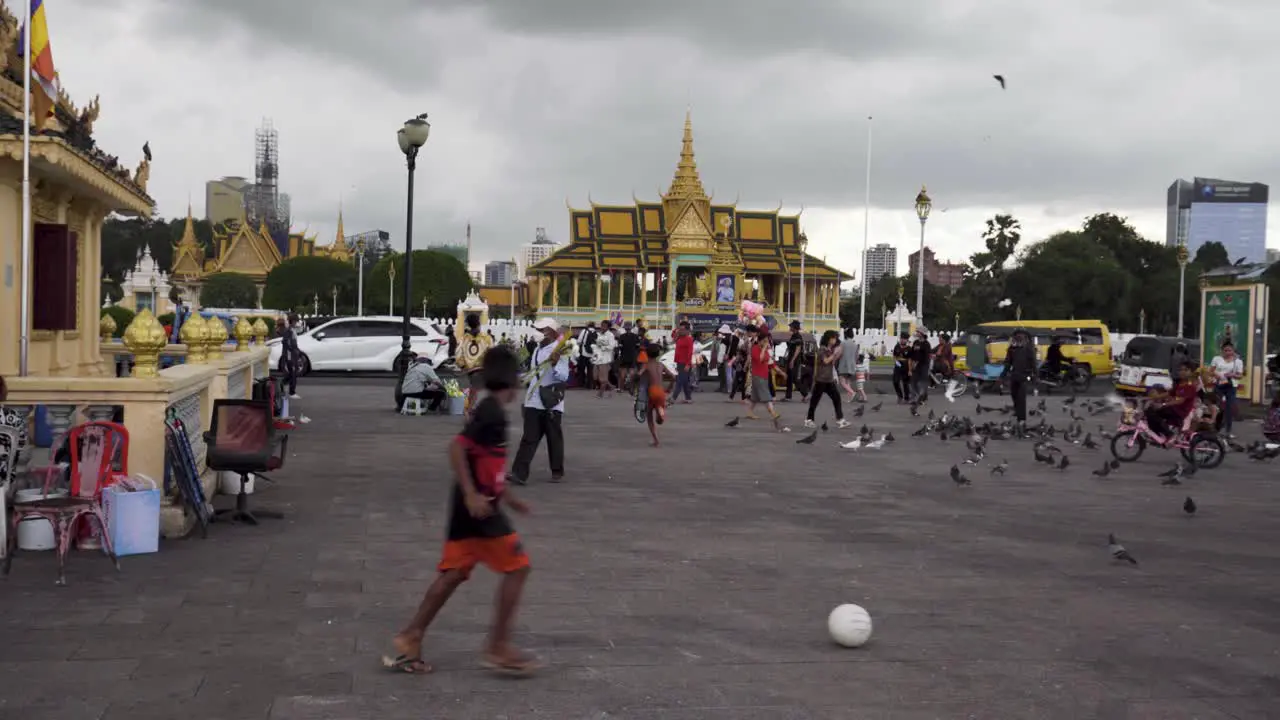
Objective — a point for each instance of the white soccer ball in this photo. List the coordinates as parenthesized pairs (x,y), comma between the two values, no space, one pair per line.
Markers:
(849,625)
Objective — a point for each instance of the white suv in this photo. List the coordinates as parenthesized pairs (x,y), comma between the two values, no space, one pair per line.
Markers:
(364,344)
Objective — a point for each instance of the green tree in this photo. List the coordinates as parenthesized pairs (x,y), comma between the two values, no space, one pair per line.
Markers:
(228,290)
(294,283)
(1152,268)
(439,278)
(984,285)
(1071,275)
(1211,256)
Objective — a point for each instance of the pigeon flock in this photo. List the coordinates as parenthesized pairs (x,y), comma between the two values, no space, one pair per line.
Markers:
(1050,442)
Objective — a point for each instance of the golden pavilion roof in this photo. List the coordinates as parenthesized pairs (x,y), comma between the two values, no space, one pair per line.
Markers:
(644,236)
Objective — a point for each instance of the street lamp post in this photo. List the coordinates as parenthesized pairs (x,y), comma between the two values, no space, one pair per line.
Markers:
(391,289)
(360,277)
(1183,256)
(411,138)
(803,242)
(334,294)
(424,308)
(154,307)
(513,301)
(1142,321)
(923,206)
(315,305)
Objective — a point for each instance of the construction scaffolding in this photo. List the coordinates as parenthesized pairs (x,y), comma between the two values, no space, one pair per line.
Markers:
(264,200)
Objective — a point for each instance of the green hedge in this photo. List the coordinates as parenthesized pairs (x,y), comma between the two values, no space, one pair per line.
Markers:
(122,316)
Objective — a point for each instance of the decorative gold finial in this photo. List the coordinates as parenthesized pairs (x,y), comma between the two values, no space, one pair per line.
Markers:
(142,174)
(145,339)
(260,331)
(195,335)
(686,184)
(217,338)
(244,334)
(107,327)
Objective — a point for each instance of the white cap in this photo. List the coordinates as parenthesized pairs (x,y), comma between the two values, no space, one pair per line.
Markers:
(546,324)
(724,329)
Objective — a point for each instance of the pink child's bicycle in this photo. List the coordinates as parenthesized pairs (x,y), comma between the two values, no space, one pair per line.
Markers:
(1202,449)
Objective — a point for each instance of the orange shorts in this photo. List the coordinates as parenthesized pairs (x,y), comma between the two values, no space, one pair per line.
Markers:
(657,396)
(501,554)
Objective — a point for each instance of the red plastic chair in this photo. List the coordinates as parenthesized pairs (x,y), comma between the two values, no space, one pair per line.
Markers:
(99,457)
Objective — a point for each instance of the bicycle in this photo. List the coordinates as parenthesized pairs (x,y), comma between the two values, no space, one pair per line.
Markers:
(1204,450)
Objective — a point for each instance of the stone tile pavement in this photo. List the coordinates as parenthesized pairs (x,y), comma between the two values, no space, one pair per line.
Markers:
(686,583)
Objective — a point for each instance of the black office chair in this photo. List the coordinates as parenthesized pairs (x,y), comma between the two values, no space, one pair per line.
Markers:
(242,439)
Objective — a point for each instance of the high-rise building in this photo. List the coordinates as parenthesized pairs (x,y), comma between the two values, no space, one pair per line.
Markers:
(946,274)
(458,251)
(500,272)
(535,252)
(224,199)
(1273,256)
(881,260)
(1230,212)
(475,277)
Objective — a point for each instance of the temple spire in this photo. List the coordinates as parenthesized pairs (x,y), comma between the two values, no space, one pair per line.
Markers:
(341,239)
(686,184)
(188,231)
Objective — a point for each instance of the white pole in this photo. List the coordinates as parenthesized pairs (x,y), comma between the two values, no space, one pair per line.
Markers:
(1178,241)
(803,252)
(513,301)
(920,279)
(25,284)
(866,233)
(360,282)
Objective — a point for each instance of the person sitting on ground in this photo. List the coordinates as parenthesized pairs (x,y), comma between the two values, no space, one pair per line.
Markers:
(420,381)
(1168,410)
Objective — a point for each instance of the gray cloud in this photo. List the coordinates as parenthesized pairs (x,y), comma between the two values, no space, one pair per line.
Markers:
(533,101)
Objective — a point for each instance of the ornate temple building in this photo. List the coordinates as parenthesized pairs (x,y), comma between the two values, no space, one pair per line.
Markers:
(146,285)
(239,247)
(684,257)
(74,186)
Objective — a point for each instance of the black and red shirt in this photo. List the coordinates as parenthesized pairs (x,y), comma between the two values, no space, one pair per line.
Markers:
(485,441)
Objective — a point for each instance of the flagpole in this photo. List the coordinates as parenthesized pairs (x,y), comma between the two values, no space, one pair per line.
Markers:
(24,314)
(866,234)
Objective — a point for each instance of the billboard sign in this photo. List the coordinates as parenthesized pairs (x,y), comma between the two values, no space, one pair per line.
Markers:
(1225,191)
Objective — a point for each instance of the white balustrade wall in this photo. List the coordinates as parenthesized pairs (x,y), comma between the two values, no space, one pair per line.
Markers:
(519,330)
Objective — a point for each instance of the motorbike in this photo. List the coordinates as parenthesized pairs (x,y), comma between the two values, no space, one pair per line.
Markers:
(1070,376)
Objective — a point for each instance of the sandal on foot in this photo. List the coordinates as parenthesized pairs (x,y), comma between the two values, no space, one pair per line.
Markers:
(406,664)
(514,665)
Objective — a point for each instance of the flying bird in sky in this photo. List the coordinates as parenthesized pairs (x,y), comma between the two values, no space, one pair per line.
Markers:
(999,79)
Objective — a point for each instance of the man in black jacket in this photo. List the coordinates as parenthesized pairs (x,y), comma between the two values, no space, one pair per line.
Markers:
(1020,368)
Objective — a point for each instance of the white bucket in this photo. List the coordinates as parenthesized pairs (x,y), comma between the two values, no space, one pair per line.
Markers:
(35,533)
(229,483)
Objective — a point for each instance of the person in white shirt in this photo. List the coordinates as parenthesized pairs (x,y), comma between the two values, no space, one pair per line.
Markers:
(544,404)
(602,357)
(1228,368)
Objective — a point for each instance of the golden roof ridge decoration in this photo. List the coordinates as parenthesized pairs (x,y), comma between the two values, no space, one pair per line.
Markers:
(686,184)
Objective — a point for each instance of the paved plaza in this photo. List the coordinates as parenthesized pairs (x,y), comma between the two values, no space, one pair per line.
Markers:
(687,583)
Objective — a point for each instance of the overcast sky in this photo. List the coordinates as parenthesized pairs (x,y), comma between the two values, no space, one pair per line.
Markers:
(535,101)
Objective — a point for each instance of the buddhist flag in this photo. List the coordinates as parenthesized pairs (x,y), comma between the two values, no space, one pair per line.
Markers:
(45,91)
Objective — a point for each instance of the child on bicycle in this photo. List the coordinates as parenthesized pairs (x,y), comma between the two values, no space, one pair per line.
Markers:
(1167,411)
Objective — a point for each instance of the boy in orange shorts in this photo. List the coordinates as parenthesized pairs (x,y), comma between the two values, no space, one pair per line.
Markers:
(657,413)
(479,532)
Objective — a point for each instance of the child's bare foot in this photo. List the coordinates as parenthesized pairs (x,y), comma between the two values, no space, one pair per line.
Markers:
(511,662)
(654,443)
(408,657)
